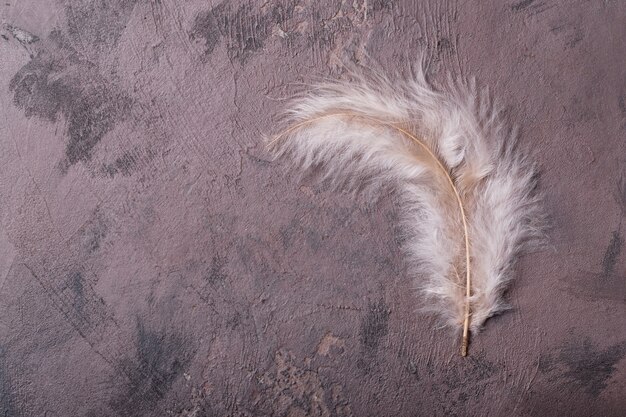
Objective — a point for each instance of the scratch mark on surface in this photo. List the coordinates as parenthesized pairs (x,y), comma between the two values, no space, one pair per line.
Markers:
(611,254)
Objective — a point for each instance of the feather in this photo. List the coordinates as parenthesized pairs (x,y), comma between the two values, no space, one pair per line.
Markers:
(467,195)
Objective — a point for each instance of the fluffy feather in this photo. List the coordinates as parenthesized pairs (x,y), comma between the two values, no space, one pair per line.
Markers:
(466,192)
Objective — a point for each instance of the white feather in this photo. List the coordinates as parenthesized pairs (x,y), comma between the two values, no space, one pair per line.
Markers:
(359,132)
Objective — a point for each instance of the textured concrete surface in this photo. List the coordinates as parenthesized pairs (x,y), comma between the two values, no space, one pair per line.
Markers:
(153,262)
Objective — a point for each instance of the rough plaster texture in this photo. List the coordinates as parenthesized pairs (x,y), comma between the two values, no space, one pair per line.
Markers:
(154,262)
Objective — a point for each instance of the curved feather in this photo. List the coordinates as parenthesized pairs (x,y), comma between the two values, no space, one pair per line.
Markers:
(456,170)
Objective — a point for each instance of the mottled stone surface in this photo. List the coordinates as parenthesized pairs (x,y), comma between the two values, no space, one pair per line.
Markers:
(154,262)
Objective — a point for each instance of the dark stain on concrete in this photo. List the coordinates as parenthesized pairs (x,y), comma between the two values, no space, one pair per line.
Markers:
(98,24)
(596,286)
(289,232)
(314,239)
(207,27)
(521,5)
(582,362)
(381,5)
(257,263)
(8,402)
(461,384)
(482,369)
(374,326)
(477,368)
(90,119)
(80,305)
(297,228)
(611,255)
(216,272)
(123,165)
(160,359)
(75,291)
(94,232)
(36,89)
(244,29)
(58,81)
(83,305)
(443,45)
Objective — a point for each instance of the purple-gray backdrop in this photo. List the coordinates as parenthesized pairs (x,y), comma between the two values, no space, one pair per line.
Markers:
(154,262)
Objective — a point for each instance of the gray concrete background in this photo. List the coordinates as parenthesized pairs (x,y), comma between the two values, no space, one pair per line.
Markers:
(154,262)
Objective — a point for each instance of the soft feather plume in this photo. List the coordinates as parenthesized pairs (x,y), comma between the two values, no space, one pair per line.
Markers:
(467,194)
